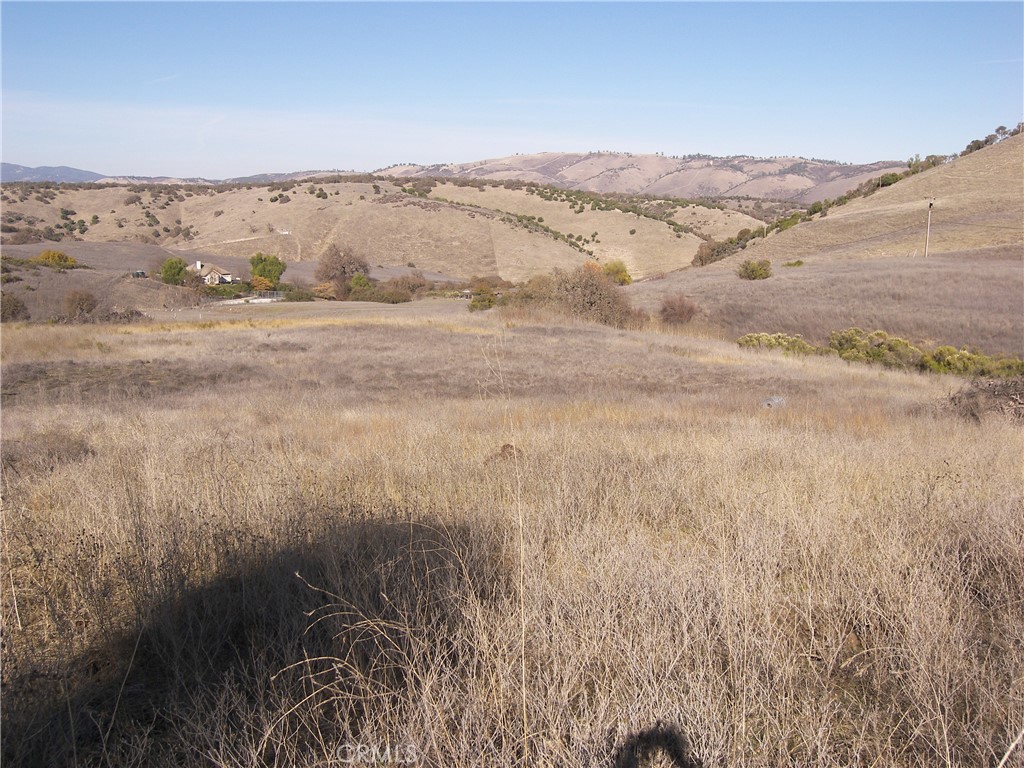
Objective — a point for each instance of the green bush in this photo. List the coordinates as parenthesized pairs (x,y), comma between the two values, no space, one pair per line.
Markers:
(878,347)
(482,301)
(853,344)
(755,270)
(362,288)
(790,221)
(173,271)
(963,362)
(299,294)
(359,282)
(616,270)
(392,295)
(793,345)
(226,291)
(794,263)
(380,295)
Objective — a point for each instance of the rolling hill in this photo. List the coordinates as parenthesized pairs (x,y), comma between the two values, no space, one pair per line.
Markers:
(781,178)
(482,229)
(862,264)
(858,264)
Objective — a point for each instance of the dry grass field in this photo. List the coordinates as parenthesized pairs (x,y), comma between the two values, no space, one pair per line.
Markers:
(973,299)
(258,539)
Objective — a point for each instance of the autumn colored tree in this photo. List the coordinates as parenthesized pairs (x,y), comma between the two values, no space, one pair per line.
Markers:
(260,283)
(269,267)
(56,259)
(617,271)
(338,267)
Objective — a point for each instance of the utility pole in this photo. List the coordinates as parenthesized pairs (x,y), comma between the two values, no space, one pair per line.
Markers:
(928,233)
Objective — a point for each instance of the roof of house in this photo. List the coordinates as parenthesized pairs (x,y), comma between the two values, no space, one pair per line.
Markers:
(210,269)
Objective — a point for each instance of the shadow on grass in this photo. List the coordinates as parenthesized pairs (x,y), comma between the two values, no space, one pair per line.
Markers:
(641,749)
(276,663)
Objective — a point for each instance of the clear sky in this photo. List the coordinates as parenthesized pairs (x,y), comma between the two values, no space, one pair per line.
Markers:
(237,88)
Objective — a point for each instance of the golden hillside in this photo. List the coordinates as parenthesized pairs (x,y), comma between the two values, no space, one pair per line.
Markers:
(862,264)
(978,203)
(458,231)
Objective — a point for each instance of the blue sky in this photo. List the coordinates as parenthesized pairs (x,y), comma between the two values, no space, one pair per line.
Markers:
(236,88)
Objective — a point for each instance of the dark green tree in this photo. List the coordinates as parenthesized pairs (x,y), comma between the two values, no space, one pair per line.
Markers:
(173,271)
(267,266)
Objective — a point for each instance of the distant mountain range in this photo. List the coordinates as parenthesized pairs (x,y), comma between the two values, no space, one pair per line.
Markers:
(692,176)
(10,172)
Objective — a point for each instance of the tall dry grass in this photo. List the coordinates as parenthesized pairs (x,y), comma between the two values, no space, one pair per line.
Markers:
(272,567)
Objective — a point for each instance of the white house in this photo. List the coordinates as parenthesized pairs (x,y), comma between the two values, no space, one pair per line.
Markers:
(211,274)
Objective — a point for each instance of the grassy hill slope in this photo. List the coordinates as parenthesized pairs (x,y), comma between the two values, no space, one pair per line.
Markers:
(383,224)
(864,266)
(647,246)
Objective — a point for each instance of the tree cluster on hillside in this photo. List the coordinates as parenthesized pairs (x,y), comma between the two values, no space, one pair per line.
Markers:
(1000,133)
(915,165)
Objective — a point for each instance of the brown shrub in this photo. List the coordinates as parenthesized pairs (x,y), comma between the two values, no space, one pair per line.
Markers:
(79,304)
(982,396)
(46,450)
(414,284)
(12,308)
(678,310)
(25,236)
(591,295)
(586,293)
